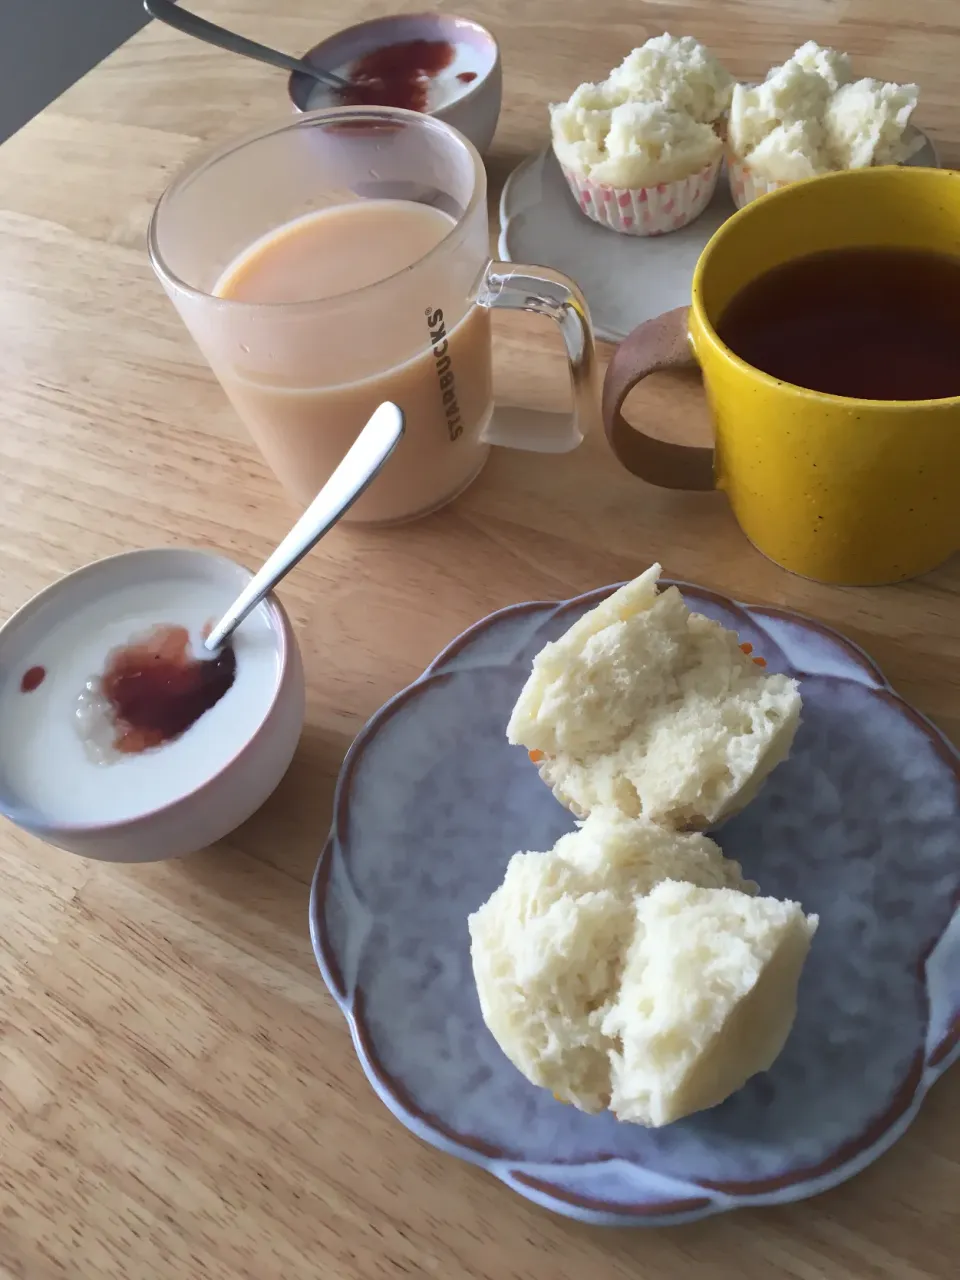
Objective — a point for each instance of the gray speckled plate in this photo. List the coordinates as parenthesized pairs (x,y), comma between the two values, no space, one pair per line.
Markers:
(626,279)
(862,824)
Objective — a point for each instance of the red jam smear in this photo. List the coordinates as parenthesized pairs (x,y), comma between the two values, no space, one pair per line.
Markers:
(33,678)
(157,689)
(398,75)
(466,77)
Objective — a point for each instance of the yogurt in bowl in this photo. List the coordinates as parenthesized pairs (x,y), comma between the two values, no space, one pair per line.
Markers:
(419,75)
(436,63)
(118,739)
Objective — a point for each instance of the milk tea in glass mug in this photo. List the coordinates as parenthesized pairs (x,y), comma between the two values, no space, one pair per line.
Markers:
(339,260)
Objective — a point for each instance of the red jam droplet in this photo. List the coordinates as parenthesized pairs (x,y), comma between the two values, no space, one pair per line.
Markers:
(465,77)
(398,75)
(33,678)
(157,689)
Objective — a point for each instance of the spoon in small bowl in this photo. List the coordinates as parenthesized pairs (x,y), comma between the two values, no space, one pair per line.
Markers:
(358,467)
(192,25)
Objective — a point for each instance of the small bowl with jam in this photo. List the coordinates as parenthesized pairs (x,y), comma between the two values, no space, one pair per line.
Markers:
(120,738)
(435,63)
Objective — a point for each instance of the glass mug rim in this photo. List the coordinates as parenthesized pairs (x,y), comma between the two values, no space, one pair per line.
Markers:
(306,120)
(701,319)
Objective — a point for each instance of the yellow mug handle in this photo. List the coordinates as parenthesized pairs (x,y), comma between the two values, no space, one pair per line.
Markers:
(661,343)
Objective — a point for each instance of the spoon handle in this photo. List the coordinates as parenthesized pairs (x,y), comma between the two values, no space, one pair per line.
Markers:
(362,461)
(192,25)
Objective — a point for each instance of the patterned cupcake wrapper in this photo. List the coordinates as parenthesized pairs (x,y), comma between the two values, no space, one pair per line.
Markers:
(646,211)
(745,185)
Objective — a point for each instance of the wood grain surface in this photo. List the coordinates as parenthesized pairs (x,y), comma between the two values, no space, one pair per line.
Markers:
(178,1094)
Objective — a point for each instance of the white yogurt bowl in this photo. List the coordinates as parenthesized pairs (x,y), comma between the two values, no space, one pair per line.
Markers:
(172,799)
(471,106)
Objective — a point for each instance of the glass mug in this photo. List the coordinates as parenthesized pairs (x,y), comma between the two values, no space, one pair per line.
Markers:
(305,376)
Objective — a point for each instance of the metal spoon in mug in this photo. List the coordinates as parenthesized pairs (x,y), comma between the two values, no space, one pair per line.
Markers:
(192,25)
(361,463)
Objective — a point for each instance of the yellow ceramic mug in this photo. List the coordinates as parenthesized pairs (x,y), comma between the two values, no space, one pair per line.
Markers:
(841,490)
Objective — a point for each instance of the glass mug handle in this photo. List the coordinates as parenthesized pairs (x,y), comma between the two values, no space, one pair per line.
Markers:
(546,293)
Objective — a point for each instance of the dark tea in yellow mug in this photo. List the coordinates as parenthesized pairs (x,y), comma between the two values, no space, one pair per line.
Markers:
(826,322)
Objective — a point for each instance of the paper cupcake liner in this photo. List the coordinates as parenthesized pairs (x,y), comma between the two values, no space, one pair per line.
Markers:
(646,211)
(745,185)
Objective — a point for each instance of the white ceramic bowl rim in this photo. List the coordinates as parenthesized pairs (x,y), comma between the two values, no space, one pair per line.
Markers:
(34,820)
(298,87)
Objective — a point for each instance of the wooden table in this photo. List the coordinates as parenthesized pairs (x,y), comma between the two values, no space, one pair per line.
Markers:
(180,1098)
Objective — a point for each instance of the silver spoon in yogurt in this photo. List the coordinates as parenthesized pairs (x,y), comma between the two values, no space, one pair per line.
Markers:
(192,25)
(358,467)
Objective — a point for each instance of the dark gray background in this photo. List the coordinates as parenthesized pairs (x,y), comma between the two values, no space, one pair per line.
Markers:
(45,45)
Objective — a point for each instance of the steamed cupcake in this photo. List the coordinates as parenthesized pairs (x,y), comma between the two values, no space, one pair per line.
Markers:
(679,73)
(810,117)
(640,150)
